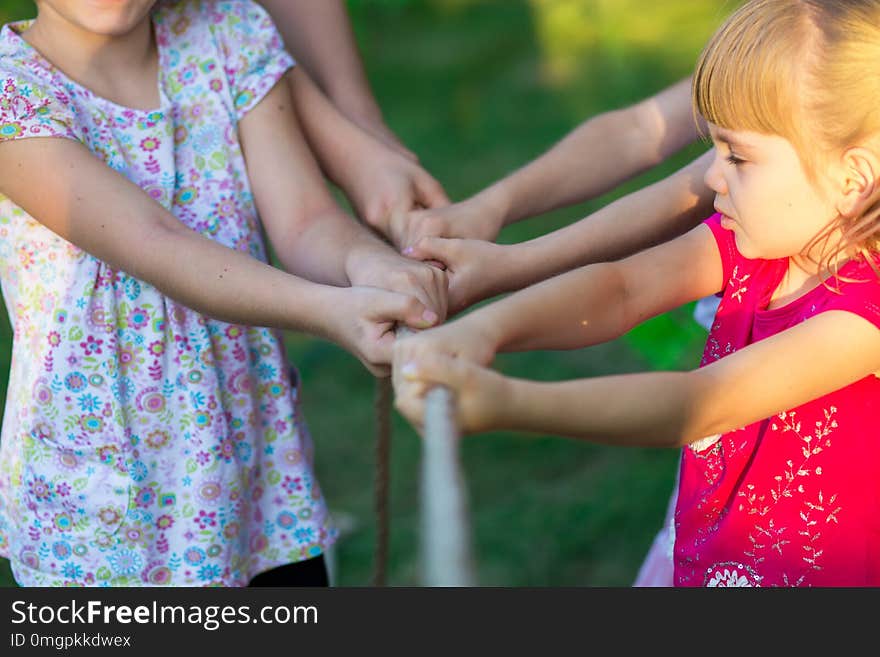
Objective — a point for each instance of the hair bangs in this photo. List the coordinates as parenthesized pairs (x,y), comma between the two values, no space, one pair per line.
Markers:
(749,76)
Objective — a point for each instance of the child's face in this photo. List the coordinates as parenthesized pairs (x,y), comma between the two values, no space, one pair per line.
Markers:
(104,17)
(762,190)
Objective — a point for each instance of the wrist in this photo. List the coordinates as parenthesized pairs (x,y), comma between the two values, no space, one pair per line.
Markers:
(356,157)
(494,205)
(510,390)
(516,267)
(359,110)
(360,258)
(489,334)
(319,318)
(531,262)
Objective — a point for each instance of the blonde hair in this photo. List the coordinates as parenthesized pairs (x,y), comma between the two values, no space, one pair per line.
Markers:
(808,71)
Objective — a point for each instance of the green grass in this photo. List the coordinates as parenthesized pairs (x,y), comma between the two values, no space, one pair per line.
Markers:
(477,89)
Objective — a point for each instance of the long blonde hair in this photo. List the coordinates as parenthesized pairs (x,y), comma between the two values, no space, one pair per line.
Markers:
(808,71)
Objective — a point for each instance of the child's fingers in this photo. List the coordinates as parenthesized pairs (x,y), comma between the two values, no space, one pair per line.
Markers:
(429,192)
(379,371)
(406,309)
(428,284)
(409,399)
(411,406)
(376,213)
(433,369)
(437,249)
(436,263)
(398,220)
(423,223)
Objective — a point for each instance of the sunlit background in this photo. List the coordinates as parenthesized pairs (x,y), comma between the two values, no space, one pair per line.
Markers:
(477,88)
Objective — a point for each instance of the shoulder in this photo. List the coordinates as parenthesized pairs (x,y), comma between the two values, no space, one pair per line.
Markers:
(34,100)
(857,289)
(19,62)
(236,30)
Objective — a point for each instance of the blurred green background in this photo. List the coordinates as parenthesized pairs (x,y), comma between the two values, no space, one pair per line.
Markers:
(477,88)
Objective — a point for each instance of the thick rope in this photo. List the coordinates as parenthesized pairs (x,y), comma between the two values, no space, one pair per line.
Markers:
(446,539)
(382,481)
(445,532)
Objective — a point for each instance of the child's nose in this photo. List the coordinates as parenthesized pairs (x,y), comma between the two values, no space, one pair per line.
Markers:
(713,178)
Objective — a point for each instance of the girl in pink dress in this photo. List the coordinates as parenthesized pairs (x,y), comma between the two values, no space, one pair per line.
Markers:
(779,483)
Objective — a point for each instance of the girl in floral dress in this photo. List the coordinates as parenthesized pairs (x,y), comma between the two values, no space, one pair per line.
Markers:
(152,432)
(779,483)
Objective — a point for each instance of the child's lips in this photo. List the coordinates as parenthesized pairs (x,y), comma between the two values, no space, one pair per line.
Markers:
(726,222)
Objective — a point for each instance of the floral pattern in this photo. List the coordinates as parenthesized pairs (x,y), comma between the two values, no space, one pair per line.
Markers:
(792,500)
(143,443)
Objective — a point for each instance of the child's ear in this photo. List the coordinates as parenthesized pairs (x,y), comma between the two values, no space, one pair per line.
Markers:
(859,177)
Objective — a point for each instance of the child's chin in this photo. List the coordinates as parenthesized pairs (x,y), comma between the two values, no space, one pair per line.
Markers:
(745,248)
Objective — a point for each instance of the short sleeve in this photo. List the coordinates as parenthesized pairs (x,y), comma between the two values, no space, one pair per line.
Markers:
(859,291)
(29,108)
(253,51)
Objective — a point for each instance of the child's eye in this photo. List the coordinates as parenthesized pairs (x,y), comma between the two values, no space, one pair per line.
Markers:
(734,160)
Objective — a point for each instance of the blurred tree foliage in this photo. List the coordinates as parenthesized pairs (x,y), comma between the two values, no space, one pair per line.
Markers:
(13,10)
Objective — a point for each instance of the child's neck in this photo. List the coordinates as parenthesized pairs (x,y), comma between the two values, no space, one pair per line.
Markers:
(800,278)
(123,69)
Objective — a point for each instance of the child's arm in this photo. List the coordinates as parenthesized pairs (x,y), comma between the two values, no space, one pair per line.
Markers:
(310,233)
(586,306)
(320,37)
(657,409)
(479,269)
(102,212)
(596,156)
(382,185)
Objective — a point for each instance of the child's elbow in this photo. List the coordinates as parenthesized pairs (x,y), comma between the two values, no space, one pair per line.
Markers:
(707,411)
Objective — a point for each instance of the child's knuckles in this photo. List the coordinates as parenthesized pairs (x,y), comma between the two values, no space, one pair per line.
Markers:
(414,277)
(440,277)
(433,225)
(413,307)
(424,245)
(376,212)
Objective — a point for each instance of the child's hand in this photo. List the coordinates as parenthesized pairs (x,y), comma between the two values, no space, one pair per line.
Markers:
(391,186)
(476,269)
(480,393)
(382,268)
(462,339)
(471,219)
(363,319)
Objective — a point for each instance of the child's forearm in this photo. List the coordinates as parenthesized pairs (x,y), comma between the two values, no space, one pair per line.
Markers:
(644,218)
(602,301)
(227,284)
(633,223)
(579,308)
(109,217)
(340,146)
(325,245)
(320,37)
(597,156)
(312,236)
(647,409)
